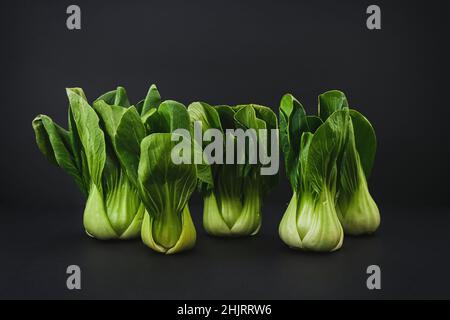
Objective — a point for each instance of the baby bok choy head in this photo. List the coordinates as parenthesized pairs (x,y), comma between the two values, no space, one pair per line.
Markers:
(232,186)
(143,138)
(311,149)
(356,208)
(113,209)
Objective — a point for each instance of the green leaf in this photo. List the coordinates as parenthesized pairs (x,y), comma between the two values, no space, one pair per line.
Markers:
(206,114)
(293,122)
(365,140)
(154,122)
(267,115)
(330,102)
(129,135)
(169,116)
(139,106)
(77,150)
(226,116)
(246,118)
(326,145)
(108,97)
(313,123)
(209,118)
(53,141)
(152,100)
(125,131)
(110,116)
(43,140)
(121,98)
(270,123)
(302,166)
(78,91)
(174,116)
(91,136)
(116,97)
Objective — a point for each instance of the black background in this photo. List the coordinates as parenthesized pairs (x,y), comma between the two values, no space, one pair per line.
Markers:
(229,52)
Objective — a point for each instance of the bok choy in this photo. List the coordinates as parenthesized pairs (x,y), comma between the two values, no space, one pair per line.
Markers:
(233,187)
(113,208)
(143,138)
(356,208)
(328,159)
(311,151)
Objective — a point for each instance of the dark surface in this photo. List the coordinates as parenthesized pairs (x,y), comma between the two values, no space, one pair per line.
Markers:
(413,258)
(229,52)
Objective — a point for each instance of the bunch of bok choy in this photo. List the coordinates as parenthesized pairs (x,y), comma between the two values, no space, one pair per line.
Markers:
(232,185)
(143,138)
(328,159)
(113,208)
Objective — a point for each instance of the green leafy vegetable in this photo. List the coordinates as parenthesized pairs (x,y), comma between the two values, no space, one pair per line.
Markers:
(356,208)
(113,209)
(310,221)
(121,157)
(166,188)
(327,159)
(233,189)
(143,138)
